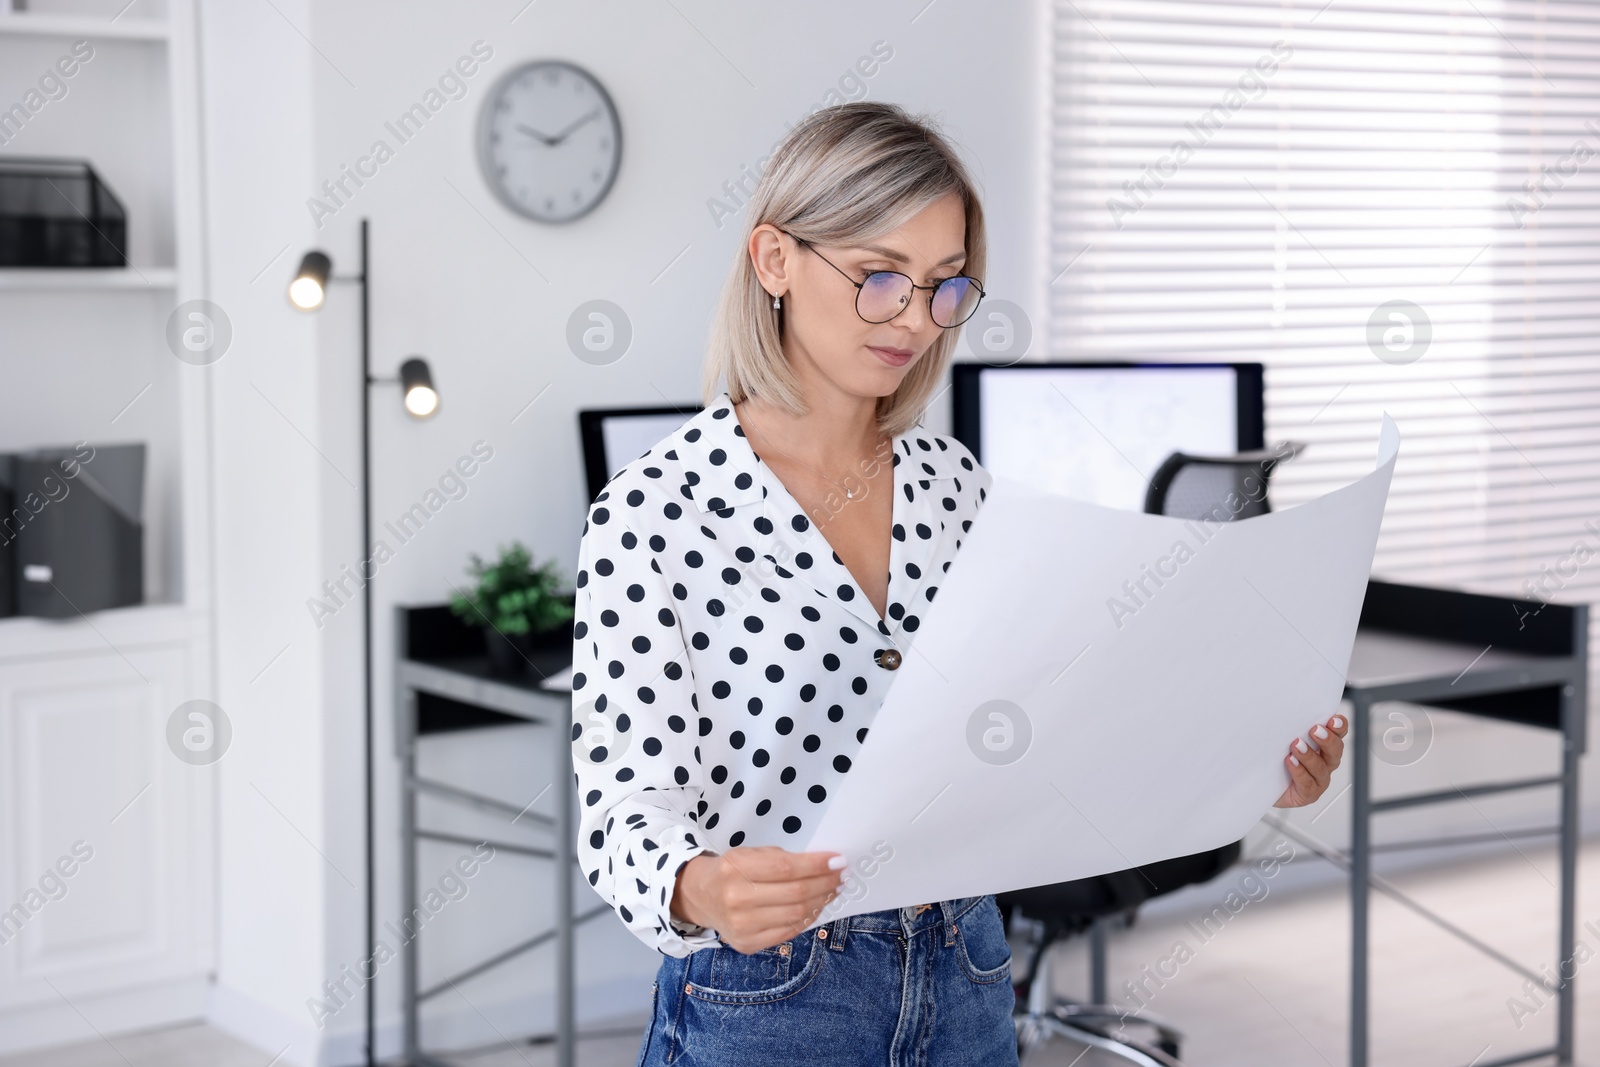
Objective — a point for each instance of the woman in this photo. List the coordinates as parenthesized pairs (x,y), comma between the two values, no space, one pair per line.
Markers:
(746,589)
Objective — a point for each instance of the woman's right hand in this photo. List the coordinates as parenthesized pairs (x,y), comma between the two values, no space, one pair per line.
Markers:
(756,897)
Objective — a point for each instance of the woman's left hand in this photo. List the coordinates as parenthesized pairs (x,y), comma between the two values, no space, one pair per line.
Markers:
(1310,770)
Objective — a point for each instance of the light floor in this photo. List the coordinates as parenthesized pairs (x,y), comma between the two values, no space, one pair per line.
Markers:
(1268,988)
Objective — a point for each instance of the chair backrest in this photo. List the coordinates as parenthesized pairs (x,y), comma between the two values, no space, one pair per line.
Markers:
(1220,488)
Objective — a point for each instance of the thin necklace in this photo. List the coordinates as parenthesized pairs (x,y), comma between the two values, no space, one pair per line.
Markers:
(849,493)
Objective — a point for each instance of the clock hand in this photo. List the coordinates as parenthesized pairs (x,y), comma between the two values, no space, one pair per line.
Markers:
(530,131)
(564,134)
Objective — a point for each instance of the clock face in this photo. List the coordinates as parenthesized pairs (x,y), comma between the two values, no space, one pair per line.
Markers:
(549,141)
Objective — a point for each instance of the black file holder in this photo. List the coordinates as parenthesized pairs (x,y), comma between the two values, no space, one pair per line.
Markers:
(59,213)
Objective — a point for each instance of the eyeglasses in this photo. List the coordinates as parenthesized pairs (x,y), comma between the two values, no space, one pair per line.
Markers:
(886,293)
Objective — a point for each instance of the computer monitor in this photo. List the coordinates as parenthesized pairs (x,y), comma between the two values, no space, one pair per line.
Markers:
(614,437)
(1098,431)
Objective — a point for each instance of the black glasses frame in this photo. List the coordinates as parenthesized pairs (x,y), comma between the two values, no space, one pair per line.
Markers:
(861,286)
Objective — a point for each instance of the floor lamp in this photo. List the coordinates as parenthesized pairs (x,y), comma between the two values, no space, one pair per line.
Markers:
(417,395)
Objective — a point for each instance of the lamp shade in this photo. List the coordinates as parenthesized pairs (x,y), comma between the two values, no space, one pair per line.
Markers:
(310,281)
(416,388)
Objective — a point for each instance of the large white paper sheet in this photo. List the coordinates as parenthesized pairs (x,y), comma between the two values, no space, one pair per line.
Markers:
(1097,689)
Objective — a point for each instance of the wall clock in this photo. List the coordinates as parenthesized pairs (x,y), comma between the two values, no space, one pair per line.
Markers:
(549,141)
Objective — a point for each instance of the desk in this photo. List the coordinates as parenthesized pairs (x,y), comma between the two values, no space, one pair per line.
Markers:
(442,682)
(1507,659)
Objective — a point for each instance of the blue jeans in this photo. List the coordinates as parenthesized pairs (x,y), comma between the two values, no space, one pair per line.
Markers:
(897,988)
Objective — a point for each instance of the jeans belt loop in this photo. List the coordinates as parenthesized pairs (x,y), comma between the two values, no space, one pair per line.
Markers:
(836,932)
(949,923)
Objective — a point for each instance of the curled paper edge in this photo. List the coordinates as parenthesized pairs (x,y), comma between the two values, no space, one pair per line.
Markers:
(1388,441)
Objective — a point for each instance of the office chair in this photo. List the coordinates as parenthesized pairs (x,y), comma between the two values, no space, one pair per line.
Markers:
(1221,488)
(1189,486)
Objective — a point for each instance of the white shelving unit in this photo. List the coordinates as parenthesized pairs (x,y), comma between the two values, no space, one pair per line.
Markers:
(85,703)
(41,24)
(156,279)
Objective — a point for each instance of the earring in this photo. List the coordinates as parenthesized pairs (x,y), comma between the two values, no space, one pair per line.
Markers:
(777,301)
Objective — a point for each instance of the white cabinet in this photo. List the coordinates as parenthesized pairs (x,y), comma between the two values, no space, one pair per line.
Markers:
(105,873)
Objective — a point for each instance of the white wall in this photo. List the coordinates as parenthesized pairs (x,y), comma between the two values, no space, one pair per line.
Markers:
(704,89)
(272,528)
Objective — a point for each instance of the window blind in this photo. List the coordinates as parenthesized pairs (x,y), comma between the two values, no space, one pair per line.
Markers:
(1394,207)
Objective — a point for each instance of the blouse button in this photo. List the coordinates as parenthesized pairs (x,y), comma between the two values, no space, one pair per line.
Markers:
(888,658)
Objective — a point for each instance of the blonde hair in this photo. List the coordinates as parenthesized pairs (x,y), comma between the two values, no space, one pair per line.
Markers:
(844,175)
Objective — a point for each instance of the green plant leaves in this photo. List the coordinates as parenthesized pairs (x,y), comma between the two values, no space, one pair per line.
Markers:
(513,595)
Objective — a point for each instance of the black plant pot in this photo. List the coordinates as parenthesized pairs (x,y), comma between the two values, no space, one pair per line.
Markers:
(509,654)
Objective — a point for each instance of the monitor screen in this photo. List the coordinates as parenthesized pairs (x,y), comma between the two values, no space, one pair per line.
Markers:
(614,437)
(1097,432)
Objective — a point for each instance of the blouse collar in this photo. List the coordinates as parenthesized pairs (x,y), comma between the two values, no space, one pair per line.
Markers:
(730,476)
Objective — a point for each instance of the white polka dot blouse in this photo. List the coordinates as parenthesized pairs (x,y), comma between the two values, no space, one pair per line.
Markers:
(726,664)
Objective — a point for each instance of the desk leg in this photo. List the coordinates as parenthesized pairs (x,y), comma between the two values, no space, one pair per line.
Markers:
(1571,730)
(1359,752)
(407,736)
(565,861)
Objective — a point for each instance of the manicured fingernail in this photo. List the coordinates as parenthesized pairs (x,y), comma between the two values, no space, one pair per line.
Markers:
(1300,743)
(1338,722)
(1294,759)
(1320,732)
(836,863)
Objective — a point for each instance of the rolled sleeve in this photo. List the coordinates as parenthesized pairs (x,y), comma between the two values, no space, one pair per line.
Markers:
(634,730)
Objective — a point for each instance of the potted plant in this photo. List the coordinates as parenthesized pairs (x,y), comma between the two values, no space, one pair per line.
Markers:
(514,603)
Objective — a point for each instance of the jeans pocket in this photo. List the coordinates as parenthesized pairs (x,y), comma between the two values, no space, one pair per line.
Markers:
(981,944)
(725,975)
